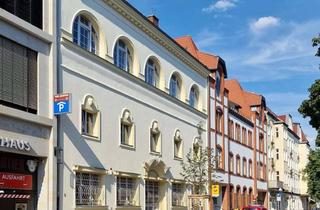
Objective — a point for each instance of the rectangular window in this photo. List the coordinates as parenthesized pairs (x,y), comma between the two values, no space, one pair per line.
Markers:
(28,10)
(219,122)
(177,195)
(231,130)
(18,81)
(277,154)
(126,189)
(231,163)
(155,143)
(89,190)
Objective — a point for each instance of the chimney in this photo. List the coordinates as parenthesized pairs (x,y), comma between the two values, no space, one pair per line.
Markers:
(154,20)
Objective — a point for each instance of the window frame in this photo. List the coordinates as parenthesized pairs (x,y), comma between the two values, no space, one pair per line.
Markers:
(181,197)
(175,86)
(127,138)
(89,107)
(92,39)
(131,193)
(124,51)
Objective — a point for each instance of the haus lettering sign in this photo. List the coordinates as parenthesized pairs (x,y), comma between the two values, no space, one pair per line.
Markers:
(15,144)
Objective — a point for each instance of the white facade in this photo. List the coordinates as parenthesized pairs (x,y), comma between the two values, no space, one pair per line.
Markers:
(117,94)
(27,133)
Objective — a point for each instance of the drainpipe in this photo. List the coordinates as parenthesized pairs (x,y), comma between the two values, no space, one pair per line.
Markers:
(58,148)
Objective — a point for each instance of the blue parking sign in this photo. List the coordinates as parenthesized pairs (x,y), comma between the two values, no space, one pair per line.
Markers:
(62,103)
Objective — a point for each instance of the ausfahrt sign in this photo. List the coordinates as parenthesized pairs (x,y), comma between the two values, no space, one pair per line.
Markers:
(15,181)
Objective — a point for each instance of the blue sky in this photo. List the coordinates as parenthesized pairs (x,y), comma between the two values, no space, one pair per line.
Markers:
(266,44)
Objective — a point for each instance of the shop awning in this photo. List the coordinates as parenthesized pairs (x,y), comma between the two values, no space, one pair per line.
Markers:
(14,196)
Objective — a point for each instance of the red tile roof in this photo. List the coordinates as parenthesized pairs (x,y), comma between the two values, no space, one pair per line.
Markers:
(209,60)
(242,97)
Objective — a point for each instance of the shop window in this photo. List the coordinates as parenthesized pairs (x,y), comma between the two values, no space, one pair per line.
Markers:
(127,194)
(155,138)
(194,96)
(127,129)
(90,118)
(18,81)
(177,145)
(175,86)
(178,195)
(152,72)
(84,34)
(89,190)
(123,56)
(30,11)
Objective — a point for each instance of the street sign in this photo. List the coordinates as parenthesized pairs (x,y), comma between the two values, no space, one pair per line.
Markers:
(215,190)
(278,197)
(62,103)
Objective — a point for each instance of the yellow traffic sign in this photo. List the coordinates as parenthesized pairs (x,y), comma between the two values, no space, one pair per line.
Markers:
(215,190)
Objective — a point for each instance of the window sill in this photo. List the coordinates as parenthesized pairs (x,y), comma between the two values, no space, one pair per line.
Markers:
(92,138)
(178,159)
(18,114)
(156,154)
(91,207)
(128,207)
(25,26)
(127,146)
(179,207)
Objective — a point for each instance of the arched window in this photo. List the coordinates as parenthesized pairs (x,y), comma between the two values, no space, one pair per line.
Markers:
(122,56)
(127,129)
(250,168)
(84,34)
(244,167)
(152,73)
(238,164)
(175,86)
(155,138)
(219,157)
(90,125)
(194,97)
(177,145)
(231,163)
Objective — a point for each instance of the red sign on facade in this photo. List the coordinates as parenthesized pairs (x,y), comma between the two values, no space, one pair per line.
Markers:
(15,181)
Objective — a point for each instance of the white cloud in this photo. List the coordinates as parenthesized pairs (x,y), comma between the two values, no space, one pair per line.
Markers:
(221,5)
(291,45)
(206,39)
(264,23)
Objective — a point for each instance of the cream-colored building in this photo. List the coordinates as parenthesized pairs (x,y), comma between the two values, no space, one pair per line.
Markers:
(288,150)
(139,104)
(27,125)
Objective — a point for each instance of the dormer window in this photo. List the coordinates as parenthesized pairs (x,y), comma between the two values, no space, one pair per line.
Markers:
(218,83)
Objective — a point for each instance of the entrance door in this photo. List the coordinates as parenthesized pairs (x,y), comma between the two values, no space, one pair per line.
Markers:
(152,195)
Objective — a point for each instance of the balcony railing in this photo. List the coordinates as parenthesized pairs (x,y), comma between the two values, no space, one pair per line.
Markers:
(275,184)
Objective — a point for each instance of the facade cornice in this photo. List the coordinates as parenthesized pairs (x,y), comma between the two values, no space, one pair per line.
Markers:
(65,41)
(140,21)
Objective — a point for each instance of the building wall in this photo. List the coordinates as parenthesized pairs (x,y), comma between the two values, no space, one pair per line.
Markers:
(38,130)
(114,91)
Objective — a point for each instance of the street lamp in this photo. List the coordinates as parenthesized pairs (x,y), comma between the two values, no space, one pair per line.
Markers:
(279,197)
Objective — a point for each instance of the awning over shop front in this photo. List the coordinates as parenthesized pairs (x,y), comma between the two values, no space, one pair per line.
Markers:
(14,196)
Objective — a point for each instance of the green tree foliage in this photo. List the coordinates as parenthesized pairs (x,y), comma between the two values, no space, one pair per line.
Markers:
(316,43)
(196,167)
(311,108)
(313,174)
